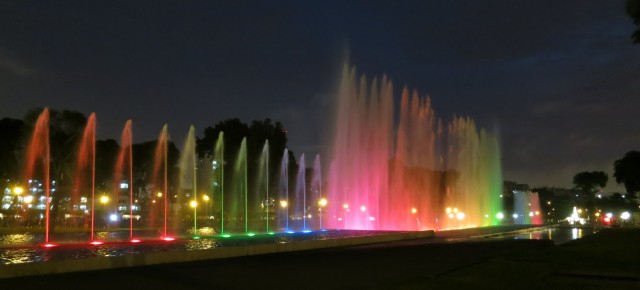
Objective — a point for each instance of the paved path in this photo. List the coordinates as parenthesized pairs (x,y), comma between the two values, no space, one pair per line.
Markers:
(607,260)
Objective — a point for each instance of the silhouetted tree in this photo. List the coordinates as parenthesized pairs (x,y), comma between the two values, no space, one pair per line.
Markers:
(633,10)
(627,171)
(590,182)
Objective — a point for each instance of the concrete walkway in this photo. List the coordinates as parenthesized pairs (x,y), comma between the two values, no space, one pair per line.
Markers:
(609,259)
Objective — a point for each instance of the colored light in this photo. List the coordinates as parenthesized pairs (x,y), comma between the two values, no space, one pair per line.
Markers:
(272,233)
(460,215)
(159,194)
(345,206)
(28,199)
(306,231)
(283,203)
(322,202)
(168,239)
(135,241)
(226,236)
(193,203)
(448,210)
(455,210)
(625,215)
(104,199)
(530,213)
(609,215)
(205,197)
(363,208)
(97,243)
(290,232)
(250,234)
(499,215)
(113,217)
(18,190)
(49,245)
(414,210)
(515,215)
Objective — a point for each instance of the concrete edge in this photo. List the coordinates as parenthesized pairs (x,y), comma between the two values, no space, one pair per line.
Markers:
(521,231)
(155,258)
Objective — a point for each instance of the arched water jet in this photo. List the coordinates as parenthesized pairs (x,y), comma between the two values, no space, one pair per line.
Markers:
(87,161)
(39,148)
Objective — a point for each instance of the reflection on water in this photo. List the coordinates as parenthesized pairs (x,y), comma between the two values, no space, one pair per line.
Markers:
(26,248)
(557,235)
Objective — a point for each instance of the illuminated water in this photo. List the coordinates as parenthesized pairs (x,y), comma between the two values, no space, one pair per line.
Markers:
(424,173)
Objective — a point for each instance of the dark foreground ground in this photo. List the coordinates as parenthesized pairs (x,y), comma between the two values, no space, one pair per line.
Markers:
(609,259)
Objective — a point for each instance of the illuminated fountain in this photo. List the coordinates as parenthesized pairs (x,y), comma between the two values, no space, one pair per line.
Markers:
(124,162)
(405,177)
(160,172)
(188,181)
(87,162)
(527,208)
(39,151)
(283,196)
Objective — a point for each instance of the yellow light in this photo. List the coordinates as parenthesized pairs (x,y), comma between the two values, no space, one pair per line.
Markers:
(597,214)
(193,203)
(283,203)
(28,199)
(414,210)
(159,194)
(205,197)
(18,190)
(448,210)
(322,202)
(104,199)
(460,215)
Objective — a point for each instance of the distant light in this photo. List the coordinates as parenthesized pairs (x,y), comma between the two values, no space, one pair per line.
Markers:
(193,203)
(322,202)
(135,241)
(515,215)
(168,239)
(113,217)
(306,231)
(530,214)
(290,232)
(104,199)
(205,197)
(18,190)
(451,215)
(28,199)
(625,215)
(159,194)
(345,206)
(455,210)
(372,218)
(283,203)
(499,215)
(49,245)
(609,215)
(96,243)
(226,236)
(537,212)
(363,208)
(460,215)
(448,210)
(250,234)
(414,210)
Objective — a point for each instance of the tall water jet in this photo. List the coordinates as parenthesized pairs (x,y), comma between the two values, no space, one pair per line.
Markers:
(300,212)
(188,176)
(262,186)
(317,196)
(239,211)
(422,174)
(160,173)
(125,159)
(87,161)
(218,176)
(39,150)
(283,194)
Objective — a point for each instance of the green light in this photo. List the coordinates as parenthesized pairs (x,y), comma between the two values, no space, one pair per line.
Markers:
(250,234)
(272,233)
(196,238)
(226,236)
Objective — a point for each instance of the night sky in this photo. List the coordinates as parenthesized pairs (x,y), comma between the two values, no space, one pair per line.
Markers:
(558,79)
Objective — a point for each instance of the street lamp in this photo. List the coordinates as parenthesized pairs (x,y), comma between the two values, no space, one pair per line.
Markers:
(194,205)
(18,190)
(322,203)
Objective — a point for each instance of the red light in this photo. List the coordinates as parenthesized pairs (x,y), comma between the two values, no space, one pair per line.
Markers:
(96,243)
(168,239)
(135,241)
(607,219)
(49,245)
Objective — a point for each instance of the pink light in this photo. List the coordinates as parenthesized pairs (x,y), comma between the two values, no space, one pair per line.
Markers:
(135,241)
(168,239)
(49,245)
(96,243)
